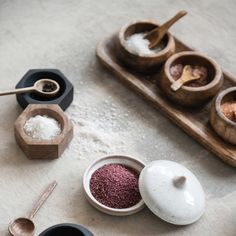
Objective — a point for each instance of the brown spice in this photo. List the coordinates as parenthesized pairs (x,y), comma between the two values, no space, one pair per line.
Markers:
(177,70)
(229,110)
(49,87)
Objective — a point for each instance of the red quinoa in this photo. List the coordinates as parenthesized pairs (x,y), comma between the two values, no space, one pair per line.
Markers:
(115,186)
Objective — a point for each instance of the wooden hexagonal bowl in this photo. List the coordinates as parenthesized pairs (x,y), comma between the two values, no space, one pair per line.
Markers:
(43,149)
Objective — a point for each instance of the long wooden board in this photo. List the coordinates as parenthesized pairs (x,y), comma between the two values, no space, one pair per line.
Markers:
(195,122)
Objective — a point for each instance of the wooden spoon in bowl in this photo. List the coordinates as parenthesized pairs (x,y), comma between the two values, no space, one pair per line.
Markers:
(44,87)
(185,77)
(157,34)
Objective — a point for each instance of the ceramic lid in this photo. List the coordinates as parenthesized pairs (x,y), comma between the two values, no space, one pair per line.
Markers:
(172,192)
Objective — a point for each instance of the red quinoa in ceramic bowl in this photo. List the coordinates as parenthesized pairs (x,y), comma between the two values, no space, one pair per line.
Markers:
(194,93)
(111,185)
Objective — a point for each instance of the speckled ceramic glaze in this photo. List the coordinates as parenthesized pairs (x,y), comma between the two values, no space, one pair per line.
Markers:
(131,162)
(172,192)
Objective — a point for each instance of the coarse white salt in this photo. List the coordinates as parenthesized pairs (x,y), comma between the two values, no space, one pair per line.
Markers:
(138,45)
(42,127)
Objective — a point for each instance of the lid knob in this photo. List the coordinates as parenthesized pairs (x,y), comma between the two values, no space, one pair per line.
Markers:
(179,181)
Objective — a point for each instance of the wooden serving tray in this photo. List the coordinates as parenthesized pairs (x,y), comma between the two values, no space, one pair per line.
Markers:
(194,122)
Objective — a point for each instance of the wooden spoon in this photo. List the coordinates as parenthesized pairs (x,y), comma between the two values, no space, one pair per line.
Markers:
(25,226)
(156,35)
(44,87)
(185,77)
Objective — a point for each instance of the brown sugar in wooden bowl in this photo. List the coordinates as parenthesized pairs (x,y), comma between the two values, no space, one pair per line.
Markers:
(223,117)
(196,93)
(43,149)
(141,62)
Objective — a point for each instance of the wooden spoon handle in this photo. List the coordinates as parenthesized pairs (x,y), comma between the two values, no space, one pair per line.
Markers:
(177,84)
(43,198)
(170,22)
(16,91)
(156,35)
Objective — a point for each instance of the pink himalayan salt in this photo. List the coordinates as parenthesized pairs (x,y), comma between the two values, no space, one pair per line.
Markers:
(177,70)
(229,110)
(115,186)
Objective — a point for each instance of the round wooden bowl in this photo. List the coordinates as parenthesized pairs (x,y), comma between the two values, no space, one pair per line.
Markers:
(223,126)
(186,95)
(142,63)
(125,160)
(43,149)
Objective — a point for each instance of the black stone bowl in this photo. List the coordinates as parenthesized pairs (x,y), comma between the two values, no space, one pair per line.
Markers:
(64,97)
(66,230)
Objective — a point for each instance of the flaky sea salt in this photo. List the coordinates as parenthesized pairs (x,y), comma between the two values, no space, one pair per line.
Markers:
(42,127)
(138,45)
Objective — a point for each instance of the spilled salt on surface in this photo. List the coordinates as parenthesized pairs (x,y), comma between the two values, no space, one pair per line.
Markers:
(96,130)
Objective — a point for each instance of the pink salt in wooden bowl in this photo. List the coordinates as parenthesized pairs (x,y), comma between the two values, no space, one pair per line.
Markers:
(191,96)
(222,125)
(133,163)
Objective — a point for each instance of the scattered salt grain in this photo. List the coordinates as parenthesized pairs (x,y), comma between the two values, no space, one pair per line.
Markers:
(42,127)
(138,45)
(96,129)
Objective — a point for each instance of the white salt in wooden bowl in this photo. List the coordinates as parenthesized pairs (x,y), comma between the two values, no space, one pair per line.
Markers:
(124,160)
(43,149)
(139,62)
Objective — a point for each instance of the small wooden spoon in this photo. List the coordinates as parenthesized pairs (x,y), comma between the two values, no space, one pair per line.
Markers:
(185,77)
(156,35)
(25,226)
(44,87)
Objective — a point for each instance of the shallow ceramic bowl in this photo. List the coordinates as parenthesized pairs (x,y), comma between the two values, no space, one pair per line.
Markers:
(223,126)
(125,160)
(142,63)
(66,230)
(43,149)
(186,95)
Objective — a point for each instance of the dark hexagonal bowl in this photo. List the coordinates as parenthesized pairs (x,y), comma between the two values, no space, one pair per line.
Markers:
(66,230)
(64,97)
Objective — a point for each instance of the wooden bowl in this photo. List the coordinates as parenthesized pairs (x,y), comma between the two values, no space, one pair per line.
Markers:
(125,160)
(43,149)
(142,63)
(223,126)
(186,95)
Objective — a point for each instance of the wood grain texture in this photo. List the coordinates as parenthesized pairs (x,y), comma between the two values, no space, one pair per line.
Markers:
(141,62)
(220,123)
(43,149)
(156,35)
(195,122)
(186,95)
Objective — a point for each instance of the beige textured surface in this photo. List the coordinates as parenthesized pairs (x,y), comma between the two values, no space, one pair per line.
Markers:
(63,34)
